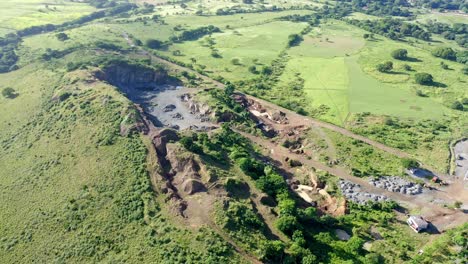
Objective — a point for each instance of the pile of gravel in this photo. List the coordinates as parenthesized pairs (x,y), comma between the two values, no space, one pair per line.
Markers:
(397,184)
(352,192)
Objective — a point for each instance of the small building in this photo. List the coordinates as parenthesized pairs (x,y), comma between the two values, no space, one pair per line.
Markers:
(417,223)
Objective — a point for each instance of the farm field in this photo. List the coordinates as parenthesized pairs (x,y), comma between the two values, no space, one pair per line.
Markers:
(19,14)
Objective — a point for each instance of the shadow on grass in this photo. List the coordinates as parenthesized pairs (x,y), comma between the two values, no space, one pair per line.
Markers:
(410,59)
(438,85)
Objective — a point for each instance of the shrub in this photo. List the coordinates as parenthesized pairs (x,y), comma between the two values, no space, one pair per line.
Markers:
(457,106)
(9,93)
(408,163)
(153,44)
(385,67)
(465,70)
(400,54)
(294,40)
(253,69)
(465,101)
(266,70)
(423,78)
(407,67)
(272,251)
(287,224)
(62,36)
(235,61)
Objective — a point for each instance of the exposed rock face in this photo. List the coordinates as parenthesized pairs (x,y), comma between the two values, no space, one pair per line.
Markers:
(136,76)
(160,141)
(193,186)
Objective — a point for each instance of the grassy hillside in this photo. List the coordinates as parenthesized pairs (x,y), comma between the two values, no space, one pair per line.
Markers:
(74,189)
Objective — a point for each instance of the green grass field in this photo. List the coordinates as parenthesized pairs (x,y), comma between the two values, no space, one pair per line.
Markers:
(449,18)
(338,68)
(19,14)
(73,189)
(262,43)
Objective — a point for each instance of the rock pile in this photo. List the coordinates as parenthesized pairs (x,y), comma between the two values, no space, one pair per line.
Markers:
(352,192)
(397,184)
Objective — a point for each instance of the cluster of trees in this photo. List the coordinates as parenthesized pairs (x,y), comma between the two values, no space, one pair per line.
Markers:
(194,34)
(444,4)
(457,32)
(102,3)
(8,57)
(450,54)
(380,7)
(392,28)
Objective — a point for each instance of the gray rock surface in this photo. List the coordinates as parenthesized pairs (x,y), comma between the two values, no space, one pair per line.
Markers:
(352,192)
(397,184)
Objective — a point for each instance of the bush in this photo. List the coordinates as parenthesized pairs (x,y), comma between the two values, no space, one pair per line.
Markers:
(457,106)
(62,36)
(407,67)
(385,67)
(445,53)
(287,224)
(400,54)
(9,93)
(153,44)
(235,61)
(409,163)
(423,78)
(253,69)
(294,40)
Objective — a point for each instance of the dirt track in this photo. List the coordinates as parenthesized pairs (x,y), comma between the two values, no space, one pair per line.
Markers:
(441,218)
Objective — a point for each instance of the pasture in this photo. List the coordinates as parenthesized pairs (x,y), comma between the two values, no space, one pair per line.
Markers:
(338,68)
(19,14)
(255,45)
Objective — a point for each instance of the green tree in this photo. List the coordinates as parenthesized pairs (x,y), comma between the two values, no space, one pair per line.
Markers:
(287,224)
(423,78)
(400,54)
(408,163)
(253,69)
(385,67)
(272,251)
(445,53)
(153,44)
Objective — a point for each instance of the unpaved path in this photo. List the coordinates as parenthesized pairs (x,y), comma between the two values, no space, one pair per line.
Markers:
(442,218)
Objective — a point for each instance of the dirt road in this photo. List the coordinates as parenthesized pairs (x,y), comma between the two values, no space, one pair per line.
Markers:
(442,218)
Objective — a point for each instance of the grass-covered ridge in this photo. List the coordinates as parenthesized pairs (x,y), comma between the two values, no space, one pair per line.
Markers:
(92,196)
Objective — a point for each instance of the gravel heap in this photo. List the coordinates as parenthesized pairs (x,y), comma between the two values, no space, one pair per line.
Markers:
(352,192)
(397,184)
